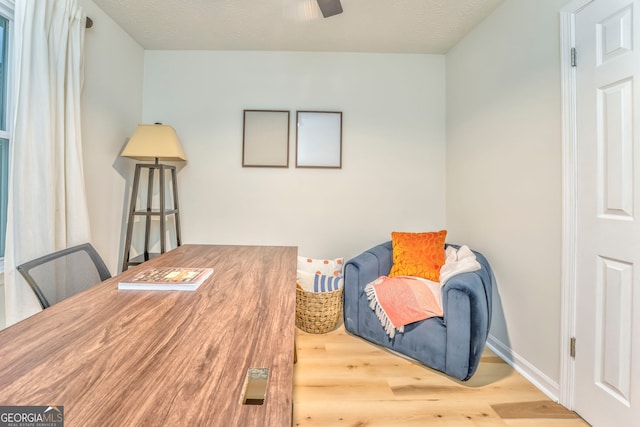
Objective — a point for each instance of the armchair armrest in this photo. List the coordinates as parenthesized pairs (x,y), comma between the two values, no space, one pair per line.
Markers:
(467,317)
(358,272)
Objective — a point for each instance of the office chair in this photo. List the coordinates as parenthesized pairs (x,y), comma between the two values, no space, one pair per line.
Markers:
(64,273)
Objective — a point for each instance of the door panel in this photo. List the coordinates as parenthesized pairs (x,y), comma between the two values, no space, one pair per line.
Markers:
(607,378)
(613,320)
(615,146)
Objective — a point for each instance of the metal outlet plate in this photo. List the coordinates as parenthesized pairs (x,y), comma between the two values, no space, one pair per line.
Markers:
(254,391)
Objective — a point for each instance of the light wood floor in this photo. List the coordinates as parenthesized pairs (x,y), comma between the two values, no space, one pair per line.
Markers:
(343,380)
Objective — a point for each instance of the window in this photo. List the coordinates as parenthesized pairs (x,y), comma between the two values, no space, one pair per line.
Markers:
(6,17)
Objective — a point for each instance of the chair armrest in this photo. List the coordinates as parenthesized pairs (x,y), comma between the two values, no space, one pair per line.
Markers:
(467,316)
(358,272)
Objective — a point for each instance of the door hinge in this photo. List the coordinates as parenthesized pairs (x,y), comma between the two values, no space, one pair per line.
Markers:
(573,57)
(572,347)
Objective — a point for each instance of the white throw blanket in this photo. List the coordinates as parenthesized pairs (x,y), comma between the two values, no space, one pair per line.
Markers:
(458,261)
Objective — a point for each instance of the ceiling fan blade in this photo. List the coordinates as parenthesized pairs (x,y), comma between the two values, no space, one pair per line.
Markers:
(330,7)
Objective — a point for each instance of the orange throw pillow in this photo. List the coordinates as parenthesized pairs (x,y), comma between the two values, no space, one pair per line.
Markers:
(418,254)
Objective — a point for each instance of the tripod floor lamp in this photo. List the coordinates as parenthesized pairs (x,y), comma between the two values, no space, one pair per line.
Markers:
(153,143)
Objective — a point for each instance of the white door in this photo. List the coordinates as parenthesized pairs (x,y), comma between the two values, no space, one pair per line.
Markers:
(607,361)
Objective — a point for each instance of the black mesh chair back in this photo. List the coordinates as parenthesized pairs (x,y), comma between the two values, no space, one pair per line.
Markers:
(64,273)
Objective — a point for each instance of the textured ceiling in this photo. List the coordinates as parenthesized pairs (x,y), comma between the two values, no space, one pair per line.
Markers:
(402,26)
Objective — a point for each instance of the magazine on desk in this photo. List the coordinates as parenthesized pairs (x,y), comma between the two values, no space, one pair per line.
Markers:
(167,279)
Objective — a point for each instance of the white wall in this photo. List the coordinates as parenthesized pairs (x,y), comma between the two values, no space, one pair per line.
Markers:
(393,146)
(111,109)
(504,173)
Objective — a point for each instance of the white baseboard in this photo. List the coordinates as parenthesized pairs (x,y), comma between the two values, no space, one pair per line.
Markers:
(522,366)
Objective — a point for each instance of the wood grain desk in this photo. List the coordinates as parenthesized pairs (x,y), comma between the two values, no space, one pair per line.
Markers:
(163,358)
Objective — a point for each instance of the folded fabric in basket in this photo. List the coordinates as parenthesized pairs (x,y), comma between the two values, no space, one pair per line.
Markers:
(331,267)
(311,282)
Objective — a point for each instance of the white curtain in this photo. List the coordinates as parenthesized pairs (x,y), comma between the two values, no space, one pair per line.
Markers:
(47,208)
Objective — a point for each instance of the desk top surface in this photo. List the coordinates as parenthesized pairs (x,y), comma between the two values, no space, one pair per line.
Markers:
(134,358)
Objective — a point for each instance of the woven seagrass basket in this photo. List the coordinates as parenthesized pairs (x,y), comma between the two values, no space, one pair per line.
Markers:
(318,312)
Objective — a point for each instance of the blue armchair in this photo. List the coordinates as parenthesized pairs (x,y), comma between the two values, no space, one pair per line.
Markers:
(452,344)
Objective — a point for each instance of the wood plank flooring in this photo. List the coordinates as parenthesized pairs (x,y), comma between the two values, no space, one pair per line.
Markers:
(343,380)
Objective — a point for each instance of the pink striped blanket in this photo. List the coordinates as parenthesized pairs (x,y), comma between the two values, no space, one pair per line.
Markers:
(401,300)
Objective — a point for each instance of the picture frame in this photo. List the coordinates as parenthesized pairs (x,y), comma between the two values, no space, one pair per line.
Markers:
(265,138)
(319,139)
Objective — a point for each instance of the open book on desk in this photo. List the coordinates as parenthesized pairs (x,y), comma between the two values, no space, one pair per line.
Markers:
(167,279)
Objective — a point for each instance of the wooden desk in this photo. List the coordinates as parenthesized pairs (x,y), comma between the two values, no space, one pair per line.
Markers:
(163,358)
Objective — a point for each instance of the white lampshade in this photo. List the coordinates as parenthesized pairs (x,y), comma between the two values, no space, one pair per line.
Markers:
(156,141)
